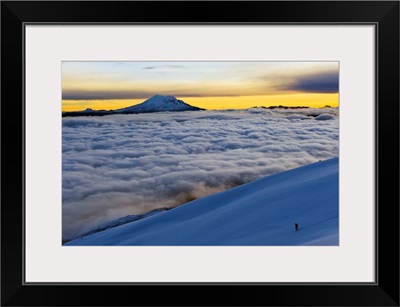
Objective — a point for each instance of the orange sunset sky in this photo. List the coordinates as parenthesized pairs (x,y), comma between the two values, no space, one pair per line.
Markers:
(209,85)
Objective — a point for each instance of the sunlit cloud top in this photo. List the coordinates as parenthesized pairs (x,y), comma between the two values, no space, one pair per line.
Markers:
(141,80)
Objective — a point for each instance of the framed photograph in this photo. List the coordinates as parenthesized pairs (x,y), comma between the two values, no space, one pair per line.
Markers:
(245,153)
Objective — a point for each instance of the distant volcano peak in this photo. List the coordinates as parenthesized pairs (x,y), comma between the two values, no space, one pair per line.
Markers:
(159,97)
(163,97)
(159,103)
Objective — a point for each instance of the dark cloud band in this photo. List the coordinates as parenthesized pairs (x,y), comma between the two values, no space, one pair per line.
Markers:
(318,83)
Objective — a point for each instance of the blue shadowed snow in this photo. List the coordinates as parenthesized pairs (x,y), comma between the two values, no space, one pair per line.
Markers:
(259,213)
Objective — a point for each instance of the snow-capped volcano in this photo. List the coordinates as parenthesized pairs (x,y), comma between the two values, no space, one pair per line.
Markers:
(159,103)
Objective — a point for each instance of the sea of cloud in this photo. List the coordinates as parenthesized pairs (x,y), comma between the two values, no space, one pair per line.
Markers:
(117,165)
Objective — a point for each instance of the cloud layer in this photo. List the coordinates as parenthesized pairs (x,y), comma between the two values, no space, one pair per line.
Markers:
(327,82)
(130,164)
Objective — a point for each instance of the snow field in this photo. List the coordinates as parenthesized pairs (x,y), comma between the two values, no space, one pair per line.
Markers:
(259,213)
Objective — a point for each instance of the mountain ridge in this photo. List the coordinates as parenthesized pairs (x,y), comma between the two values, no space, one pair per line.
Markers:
(156,103)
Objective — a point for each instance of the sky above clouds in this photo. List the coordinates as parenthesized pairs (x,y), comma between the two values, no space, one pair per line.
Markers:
(210,85)
(118,165)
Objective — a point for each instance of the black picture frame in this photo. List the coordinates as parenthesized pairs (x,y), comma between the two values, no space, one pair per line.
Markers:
(383,14)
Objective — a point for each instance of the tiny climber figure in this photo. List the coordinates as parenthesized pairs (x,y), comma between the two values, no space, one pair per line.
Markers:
(296,226)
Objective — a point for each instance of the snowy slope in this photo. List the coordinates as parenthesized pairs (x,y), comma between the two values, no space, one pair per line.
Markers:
(123,220)
(158,103)
(262,212)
